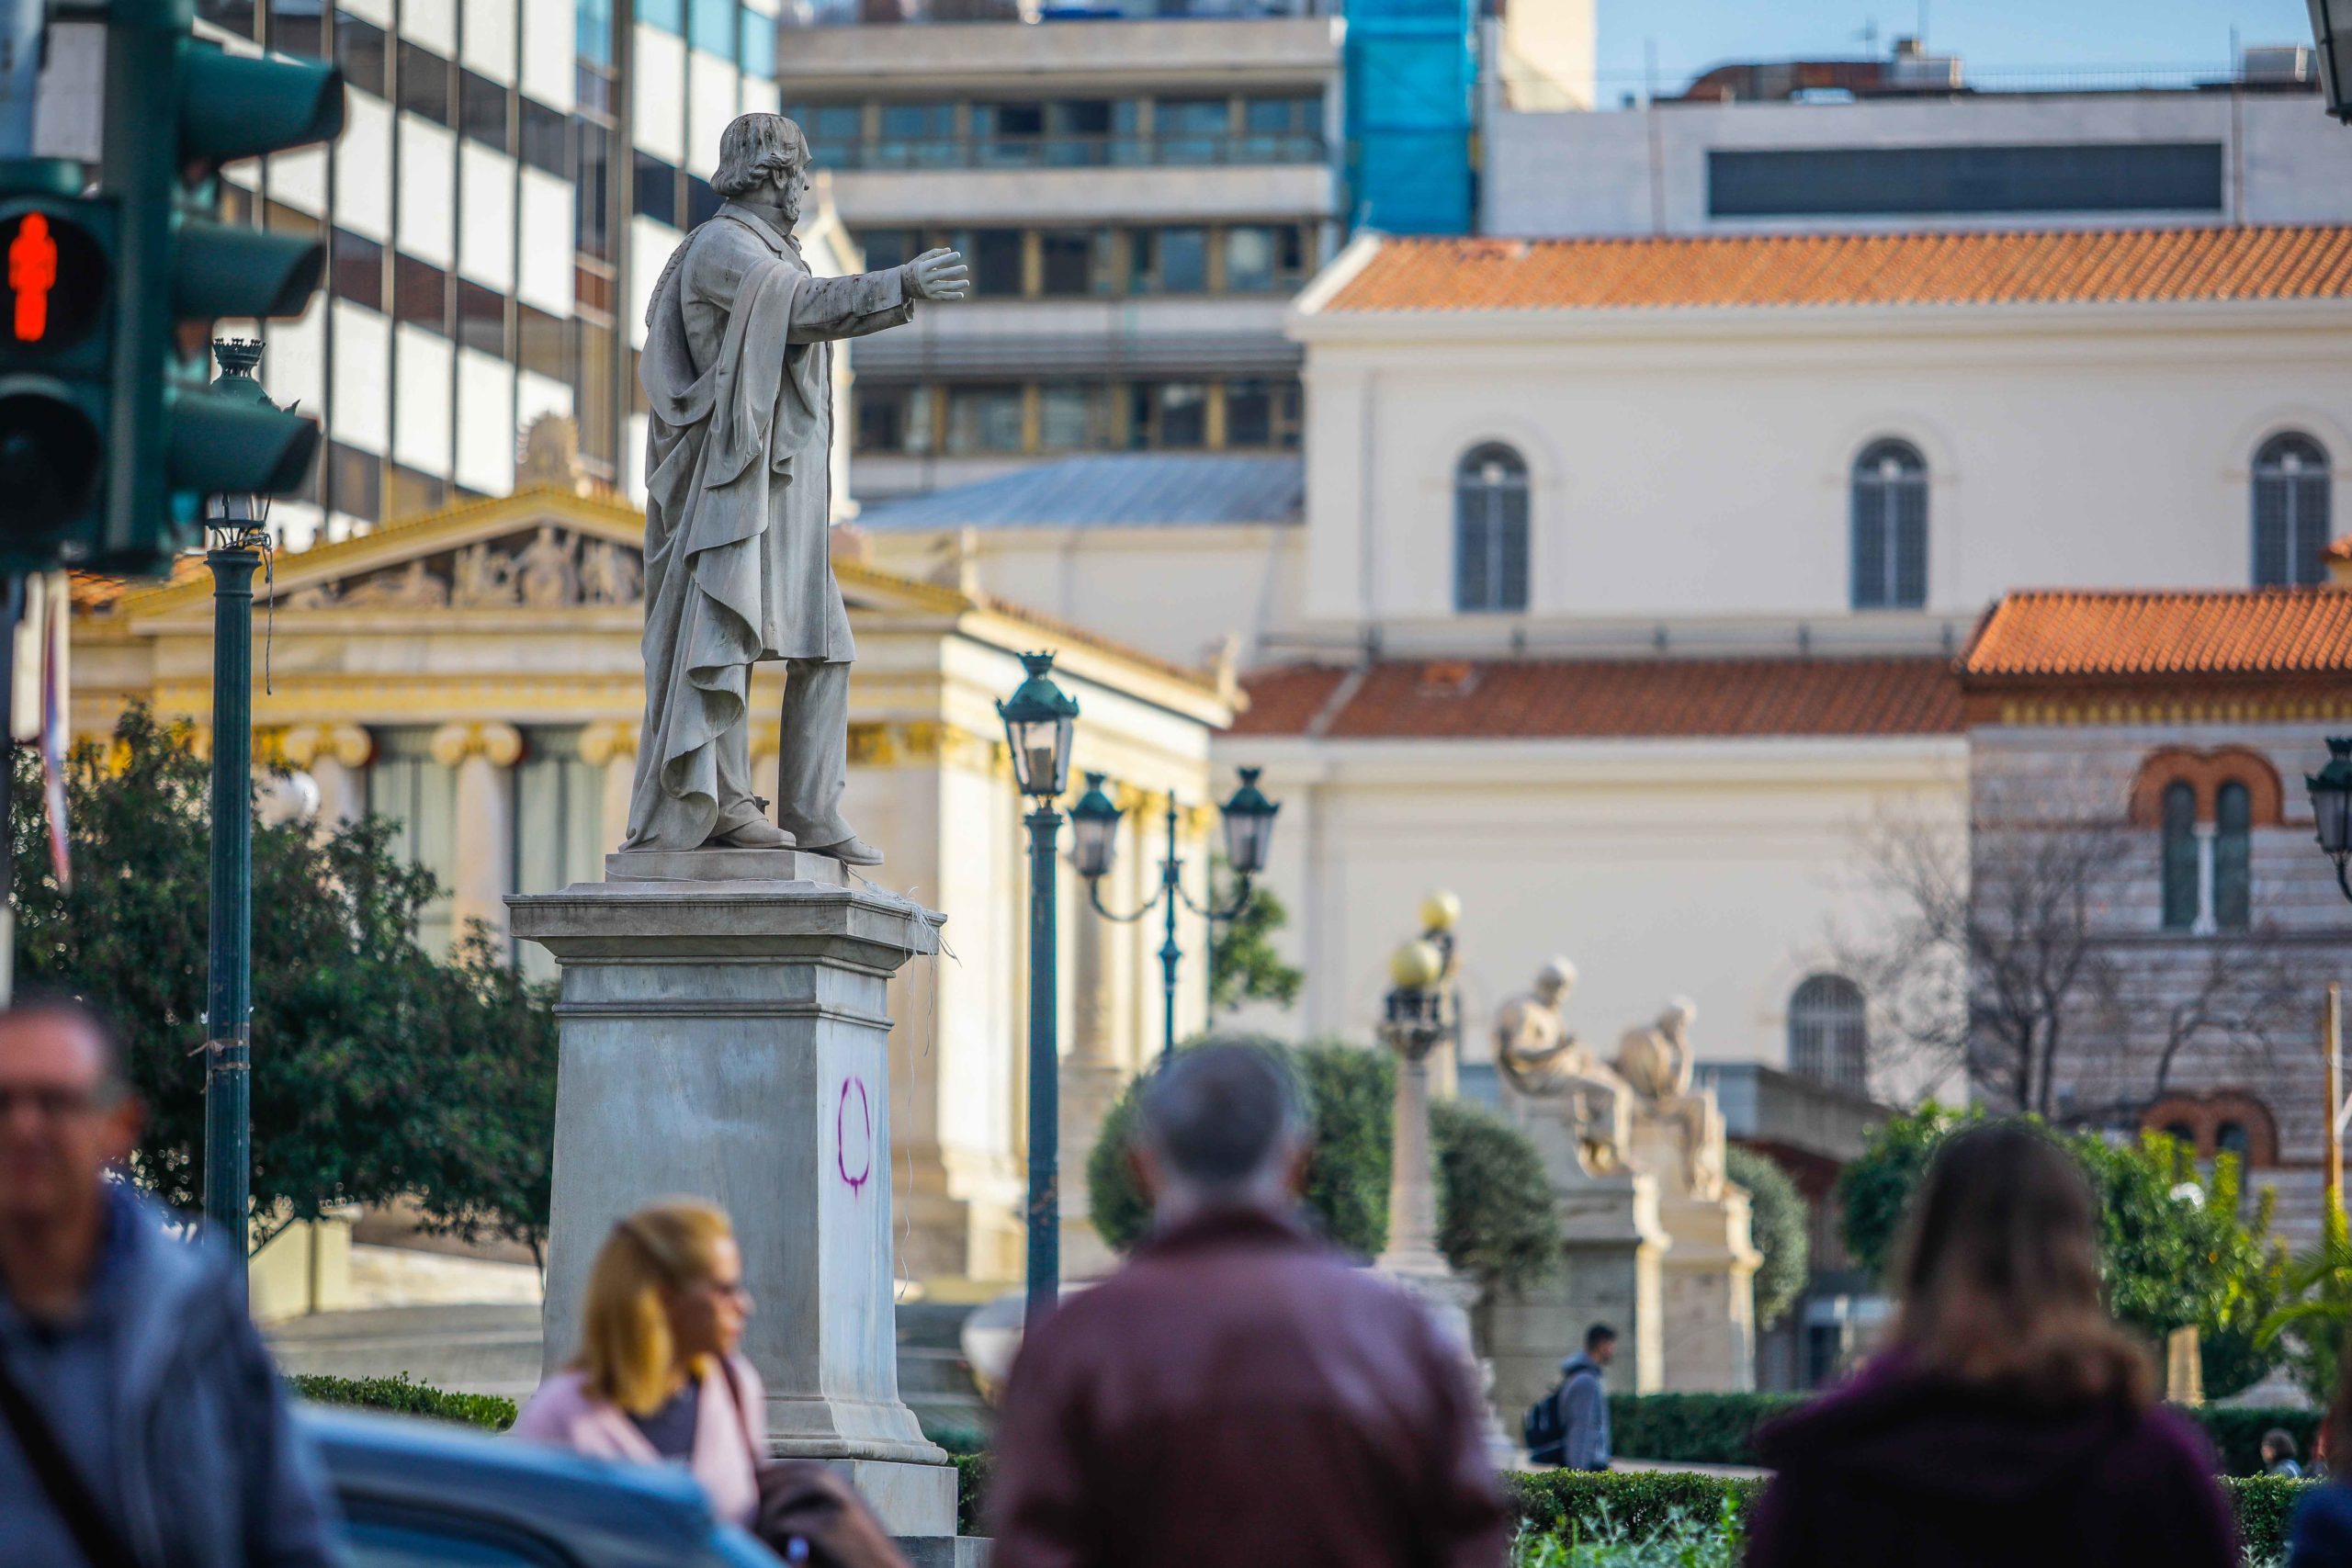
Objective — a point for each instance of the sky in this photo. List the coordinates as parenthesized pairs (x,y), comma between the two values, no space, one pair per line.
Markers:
(2092,36)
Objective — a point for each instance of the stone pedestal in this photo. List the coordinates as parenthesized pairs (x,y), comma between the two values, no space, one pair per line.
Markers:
(1710,1275)
(1412,1258)
(1613,1246)
(726,1039)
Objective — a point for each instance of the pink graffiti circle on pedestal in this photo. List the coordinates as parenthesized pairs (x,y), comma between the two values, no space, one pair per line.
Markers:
(855,1170)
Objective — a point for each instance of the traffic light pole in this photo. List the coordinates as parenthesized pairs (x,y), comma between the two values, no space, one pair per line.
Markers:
(227,1048)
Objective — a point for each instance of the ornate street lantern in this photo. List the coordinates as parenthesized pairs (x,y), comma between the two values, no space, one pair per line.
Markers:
(1248,827)
(1037,720)
(2332,32)
(2331,790)
(1094,830)
(238,515)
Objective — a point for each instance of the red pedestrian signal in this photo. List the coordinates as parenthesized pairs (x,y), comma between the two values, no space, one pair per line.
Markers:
(56,277)
(32,272)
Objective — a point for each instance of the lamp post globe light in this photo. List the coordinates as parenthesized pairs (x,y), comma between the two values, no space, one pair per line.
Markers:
(2332,36)
(1248,834)
(1038,718)
(1415,1018)
(2331,790)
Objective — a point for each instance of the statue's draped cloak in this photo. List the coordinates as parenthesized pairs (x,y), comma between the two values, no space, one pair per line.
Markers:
(737,566)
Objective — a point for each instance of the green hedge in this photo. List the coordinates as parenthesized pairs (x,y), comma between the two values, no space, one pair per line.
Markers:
(1715,1428)
(2236,1434)
(1643,1501)
(971,1494)
(1692,1429)
(403,1397)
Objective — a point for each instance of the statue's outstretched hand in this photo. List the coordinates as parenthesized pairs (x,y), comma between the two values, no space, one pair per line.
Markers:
(940,274)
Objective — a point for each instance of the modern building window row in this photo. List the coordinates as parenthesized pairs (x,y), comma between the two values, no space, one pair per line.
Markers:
(375,489)
(734,32)
(1100,263)
(1014,418)
(669,195)
(1071,133)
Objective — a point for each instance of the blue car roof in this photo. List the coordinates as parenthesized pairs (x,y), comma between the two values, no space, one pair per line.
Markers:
(616,1513)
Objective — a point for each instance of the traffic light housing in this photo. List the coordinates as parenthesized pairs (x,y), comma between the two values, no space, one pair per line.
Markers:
(56,250)
(110,440)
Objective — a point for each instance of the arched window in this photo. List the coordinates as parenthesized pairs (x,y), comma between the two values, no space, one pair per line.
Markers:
(1829,1033)
(2180,855)
(2233,857)
(2292,505)
(1490,530)
(1890,525)
(2231,1138)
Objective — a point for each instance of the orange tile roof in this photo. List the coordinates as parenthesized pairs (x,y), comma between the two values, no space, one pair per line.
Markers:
(2039,636)
(1285,700)
(2048,268)
(96,592)
(1600,699)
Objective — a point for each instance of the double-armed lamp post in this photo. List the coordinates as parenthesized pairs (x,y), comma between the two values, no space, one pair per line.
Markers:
(1038,720)
(1248,832)
(1039,717)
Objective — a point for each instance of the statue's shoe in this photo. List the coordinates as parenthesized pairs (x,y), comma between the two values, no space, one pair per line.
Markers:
(756,834)
(852,850)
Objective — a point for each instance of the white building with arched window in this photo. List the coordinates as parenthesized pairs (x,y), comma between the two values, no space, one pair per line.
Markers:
(1626,575)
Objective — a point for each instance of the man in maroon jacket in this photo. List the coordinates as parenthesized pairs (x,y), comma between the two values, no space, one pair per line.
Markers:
(1239,1393)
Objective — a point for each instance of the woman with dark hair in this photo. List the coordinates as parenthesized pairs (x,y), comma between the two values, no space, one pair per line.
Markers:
(2010,1421)
(2321,1535)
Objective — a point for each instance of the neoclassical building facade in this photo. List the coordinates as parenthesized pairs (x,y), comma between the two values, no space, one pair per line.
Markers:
(474,675)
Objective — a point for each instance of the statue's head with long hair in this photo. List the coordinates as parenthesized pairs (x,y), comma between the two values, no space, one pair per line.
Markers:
(753,150)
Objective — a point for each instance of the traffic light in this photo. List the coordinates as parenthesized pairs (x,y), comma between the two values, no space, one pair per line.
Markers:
(109,439)
(55,251)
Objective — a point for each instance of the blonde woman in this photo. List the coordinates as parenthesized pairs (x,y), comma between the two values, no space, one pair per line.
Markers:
(656,1379)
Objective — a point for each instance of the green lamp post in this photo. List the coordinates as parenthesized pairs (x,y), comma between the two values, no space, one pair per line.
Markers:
(237,523)
(1038,718)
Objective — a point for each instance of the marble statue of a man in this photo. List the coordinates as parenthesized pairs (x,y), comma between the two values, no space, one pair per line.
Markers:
(738,388)
(1542,1059)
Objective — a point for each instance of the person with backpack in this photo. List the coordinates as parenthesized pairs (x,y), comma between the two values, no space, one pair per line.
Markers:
(1584,1400)
(1569,1427)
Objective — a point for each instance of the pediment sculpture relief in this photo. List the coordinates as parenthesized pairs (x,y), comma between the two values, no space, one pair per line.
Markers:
(550,569)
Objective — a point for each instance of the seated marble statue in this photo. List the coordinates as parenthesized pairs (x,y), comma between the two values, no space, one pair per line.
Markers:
(1542,1060)
(1655,1061)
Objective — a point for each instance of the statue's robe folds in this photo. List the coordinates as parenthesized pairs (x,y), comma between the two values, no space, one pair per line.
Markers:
(738,380)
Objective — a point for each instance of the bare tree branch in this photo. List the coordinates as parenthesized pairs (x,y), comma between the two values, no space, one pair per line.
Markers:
(2014,961)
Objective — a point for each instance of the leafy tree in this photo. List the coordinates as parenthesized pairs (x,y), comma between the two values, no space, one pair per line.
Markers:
(1243,965)
(1874,1189)
(2174,1248)
(378,1071)
(1496,1221)
(2314,1307)
(1777,1223)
